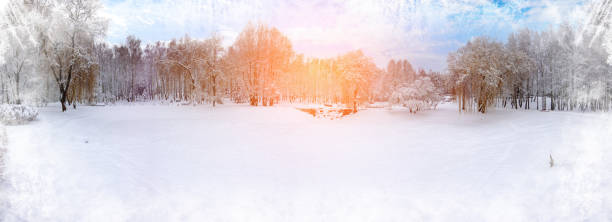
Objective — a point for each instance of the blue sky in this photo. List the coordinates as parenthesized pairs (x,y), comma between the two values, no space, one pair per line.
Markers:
(422,31)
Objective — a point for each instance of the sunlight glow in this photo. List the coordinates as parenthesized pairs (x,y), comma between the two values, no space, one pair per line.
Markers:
(423,31)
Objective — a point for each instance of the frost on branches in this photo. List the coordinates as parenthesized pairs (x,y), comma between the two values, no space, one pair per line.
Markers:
(46,44)
(416,96)
(17,53)
(16,114)
(545,70)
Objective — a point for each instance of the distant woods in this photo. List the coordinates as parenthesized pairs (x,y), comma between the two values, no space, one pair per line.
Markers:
(260,68)
(52,52)
(555,69)
(59,58)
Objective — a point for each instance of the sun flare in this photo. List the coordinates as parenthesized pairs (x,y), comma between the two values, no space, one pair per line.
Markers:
(305,110)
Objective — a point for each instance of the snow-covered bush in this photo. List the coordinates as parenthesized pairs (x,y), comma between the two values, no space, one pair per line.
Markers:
(419,95)
(16,114)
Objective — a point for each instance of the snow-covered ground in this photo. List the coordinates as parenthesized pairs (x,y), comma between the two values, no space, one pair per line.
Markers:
(240,163)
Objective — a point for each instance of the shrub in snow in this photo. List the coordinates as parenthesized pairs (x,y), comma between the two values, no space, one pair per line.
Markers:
(552,161)
(420,95)
(16,114)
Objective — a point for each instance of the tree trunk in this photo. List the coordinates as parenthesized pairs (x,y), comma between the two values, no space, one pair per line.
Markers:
(552,103)
(63,101)
(214,88)
(18,101)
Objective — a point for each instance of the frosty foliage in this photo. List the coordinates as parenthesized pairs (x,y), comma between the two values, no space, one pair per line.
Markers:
(50,51)
(259,68)
(17,114)
(551,70)
(418,95)
(18,52)
(261,54)
(45,41)
(479,64)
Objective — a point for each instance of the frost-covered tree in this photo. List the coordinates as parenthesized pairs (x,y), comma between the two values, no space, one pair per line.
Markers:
(518,68)
(263,55)
(134,61)
(398,72)
(19,22)
(105,85)
(420,94)
(212,53)
(478,68)
(198,62)
(73,26)
(356,70)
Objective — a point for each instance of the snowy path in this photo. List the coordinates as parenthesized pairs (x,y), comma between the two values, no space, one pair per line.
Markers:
(240,163)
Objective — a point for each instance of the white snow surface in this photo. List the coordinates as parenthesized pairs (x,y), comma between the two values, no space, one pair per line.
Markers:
(149,162)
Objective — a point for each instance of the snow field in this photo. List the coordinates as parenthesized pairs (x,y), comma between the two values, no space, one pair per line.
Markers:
(241,163)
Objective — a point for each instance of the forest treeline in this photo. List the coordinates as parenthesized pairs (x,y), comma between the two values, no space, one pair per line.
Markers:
(557,69)
(54,52)
(66,60)
(259,68)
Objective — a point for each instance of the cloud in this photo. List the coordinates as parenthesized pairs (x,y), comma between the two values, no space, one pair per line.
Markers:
(422,31)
